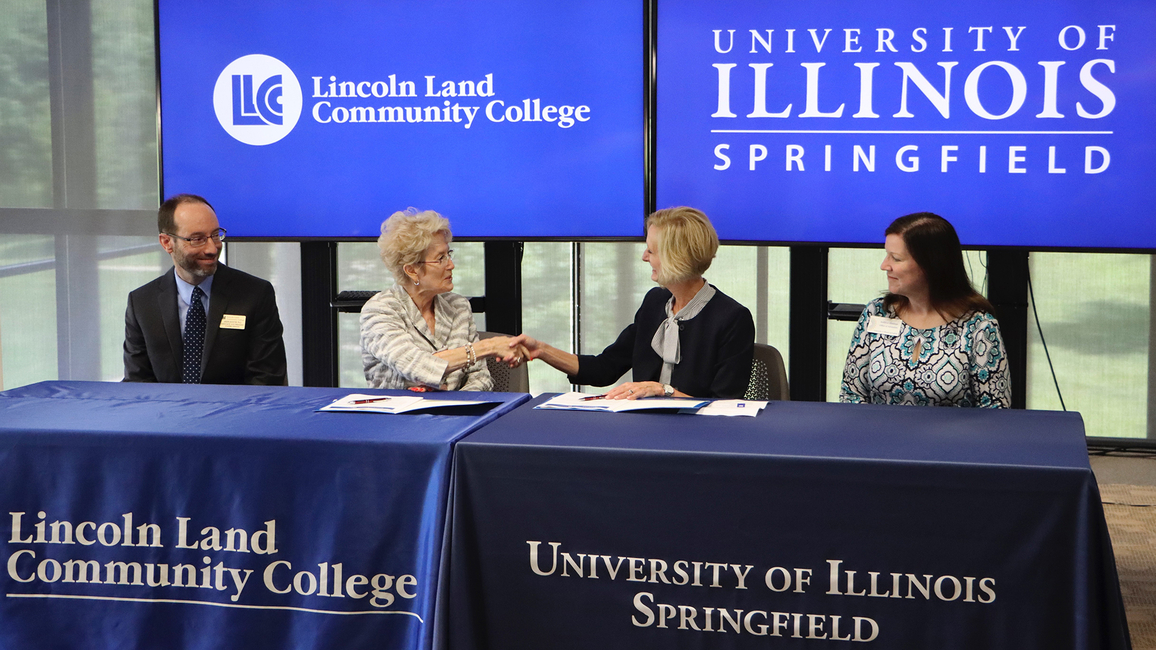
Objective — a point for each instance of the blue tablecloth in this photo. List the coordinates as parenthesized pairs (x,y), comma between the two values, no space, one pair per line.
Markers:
(169,516)
(812,525)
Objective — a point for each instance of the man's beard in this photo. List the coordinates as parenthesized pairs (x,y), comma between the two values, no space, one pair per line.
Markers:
(190,264)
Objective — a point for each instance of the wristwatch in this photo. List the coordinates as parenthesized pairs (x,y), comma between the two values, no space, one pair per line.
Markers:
(667,390)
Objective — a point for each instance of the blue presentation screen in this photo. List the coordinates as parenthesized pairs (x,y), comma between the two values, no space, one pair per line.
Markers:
(319,118)
(1024,123)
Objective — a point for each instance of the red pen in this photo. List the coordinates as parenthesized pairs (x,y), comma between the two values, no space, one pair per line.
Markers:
(587,399)
(367,401)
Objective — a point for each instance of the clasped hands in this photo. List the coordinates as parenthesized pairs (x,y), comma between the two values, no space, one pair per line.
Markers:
(502,349)
(530,348)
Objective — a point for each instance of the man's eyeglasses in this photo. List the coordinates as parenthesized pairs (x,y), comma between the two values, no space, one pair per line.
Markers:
(196,241)
(442,260)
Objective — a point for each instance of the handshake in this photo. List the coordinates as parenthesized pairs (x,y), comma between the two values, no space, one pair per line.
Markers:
(510,350)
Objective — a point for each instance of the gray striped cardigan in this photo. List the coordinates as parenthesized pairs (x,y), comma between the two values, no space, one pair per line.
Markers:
(397,348)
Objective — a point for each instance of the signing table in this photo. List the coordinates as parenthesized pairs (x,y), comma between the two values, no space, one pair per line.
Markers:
(811,525)
(169,516)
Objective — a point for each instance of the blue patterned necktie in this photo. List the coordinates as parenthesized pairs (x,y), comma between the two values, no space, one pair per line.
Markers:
(194,338)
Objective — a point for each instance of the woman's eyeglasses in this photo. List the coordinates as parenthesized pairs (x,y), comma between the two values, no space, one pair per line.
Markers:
(442,260)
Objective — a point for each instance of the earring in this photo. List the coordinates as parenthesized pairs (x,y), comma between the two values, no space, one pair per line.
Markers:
(416,283)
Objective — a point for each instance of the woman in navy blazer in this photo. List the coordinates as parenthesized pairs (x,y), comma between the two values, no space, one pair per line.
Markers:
(687,339)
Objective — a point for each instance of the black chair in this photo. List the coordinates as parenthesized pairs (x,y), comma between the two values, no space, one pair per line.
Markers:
(506,379)
(768,375)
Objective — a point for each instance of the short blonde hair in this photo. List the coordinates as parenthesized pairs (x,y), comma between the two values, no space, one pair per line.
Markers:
(687,243)
(406,235)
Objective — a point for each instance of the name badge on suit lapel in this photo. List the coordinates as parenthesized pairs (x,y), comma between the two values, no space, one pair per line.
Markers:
(233,322)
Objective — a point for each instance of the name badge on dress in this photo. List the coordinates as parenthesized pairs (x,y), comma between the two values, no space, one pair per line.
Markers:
(233,322)
(884,326)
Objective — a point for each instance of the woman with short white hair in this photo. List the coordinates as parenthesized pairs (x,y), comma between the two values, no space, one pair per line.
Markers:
(418,333)
(687,339)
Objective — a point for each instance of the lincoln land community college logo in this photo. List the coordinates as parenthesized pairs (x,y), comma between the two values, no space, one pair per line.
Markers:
(257,99)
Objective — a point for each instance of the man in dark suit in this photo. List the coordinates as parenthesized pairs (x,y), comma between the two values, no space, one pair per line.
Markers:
(201,322)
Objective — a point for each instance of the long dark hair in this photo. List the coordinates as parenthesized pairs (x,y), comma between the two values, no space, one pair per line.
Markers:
(934,245)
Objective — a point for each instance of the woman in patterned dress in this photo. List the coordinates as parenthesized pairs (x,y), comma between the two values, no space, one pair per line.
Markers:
(418,333)
(932,340)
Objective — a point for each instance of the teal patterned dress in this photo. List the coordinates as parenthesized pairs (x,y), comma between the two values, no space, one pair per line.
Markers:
(960,363)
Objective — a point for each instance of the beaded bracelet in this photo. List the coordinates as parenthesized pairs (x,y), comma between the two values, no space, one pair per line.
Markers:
(471,357)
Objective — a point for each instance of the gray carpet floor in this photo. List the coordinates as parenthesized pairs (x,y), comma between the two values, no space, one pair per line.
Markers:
(1128,491)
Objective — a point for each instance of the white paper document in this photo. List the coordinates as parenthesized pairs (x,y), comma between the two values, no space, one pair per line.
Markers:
(585,402)
(356,403)
(732,407)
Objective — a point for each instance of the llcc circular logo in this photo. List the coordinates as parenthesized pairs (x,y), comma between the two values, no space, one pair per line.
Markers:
(257,99)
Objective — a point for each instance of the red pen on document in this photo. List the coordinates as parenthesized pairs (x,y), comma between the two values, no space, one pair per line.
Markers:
(368,401)
(593,397)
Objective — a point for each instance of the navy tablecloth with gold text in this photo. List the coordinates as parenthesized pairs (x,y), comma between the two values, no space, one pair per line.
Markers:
(190,517)
(809,526)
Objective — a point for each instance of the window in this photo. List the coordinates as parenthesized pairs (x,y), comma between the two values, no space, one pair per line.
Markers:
(1094,310)
(548,306)
(25,114)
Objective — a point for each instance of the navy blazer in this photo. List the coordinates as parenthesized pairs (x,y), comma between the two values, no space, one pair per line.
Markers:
(154,349)
(717,347)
